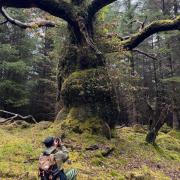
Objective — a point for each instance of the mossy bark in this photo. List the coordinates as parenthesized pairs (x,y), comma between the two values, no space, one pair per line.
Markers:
(84,84)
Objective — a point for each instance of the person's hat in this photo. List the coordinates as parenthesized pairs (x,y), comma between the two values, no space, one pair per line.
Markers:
(49,141)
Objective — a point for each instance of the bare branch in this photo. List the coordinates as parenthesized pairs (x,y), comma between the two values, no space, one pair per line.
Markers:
(141,23)
(96,5)
(56,8)
(154,27)
(39,23)
(145,54)
(14,115)
(115,35)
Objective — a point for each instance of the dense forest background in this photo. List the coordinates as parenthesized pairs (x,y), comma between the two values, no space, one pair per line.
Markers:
(145,80)
(28,70)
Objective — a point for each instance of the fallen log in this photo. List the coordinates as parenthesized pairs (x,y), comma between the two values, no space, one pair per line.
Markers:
(15,116)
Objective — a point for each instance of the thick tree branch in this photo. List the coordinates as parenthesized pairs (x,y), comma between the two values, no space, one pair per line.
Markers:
(131,42)
(38,23)
(96,5)
(56,8)
(18,3)
(154,27)
(59,9)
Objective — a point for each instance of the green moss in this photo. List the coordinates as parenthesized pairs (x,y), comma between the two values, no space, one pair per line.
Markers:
(145,173)
(96,162)
(133,40)
(175,134)
(114,174)
(165,129)
(18,145)
(91,89)
(92,85)
(76,123)
(139,128)
(175,79)
(168,146)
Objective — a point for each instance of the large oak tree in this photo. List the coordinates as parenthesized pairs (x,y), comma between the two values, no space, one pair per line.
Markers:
(83,83)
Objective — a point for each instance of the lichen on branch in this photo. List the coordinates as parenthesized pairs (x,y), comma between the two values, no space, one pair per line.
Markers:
(116,44)
(154,27)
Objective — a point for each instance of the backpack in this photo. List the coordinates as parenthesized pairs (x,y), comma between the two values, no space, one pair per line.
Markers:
(47,166)
(46,161)
(48,169)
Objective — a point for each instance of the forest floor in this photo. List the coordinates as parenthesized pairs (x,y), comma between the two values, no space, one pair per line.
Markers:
(125,156)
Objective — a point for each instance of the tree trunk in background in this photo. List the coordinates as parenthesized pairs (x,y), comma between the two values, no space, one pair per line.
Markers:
(43,92)
(152,134)
(173,99)
(163,7)
(175,7)
(176,121)
(157,98)
(132,112)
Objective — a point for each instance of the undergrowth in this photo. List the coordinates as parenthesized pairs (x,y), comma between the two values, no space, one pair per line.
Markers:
(131,158)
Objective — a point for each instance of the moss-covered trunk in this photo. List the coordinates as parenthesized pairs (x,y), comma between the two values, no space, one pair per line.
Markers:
(84,86)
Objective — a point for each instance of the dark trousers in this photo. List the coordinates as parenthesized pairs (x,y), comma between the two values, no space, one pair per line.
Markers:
(59,176)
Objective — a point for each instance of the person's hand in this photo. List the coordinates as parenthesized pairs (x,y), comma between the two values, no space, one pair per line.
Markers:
(57,142)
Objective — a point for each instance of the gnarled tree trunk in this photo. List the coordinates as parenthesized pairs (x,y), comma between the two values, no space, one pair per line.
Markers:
(84,85)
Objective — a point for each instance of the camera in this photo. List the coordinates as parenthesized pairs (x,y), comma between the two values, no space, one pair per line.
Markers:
(58,141)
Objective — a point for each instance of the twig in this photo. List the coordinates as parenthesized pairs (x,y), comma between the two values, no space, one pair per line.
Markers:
(145,54)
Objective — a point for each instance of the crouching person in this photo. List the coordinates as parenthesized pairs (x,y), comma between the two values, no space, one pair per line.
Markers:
(52,159)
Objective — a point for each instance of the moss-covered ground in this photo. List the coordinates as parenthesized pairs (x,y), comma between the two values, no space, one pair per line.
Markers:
(131,157)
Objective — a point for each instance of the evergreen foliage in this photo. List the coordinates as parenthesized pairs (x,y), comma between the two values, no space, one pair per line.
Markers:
(26,72)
